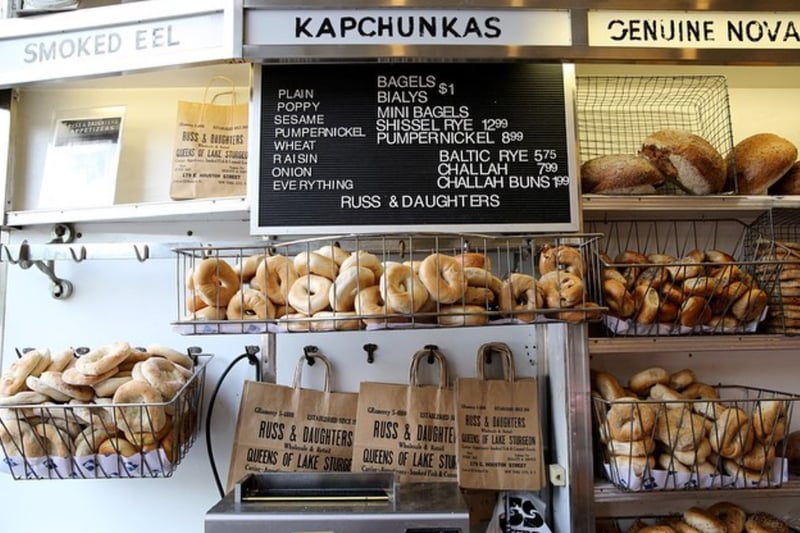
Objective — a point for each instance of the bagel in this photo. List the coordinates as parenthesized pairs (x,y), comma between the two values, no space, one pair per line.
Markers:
(401,289)
(766,417)
(758,459)
(620,302)
(363,259)
(629,419)
(179,358)
(334,253)
(13,378)
(704,286)
(727,294)
(671,397)
(18,438)
(249,304)
(480,296)
(342,294)
(55,442)
(247,266)
(309,294)
(743,475)
(647,304)
(313,263)
(444,278)
(563,257)
(474,260)
(679,429)
(704,521)
(75,377)
(462,315)
(215,281)
(208,313)
(61,360)
(274,277)
(731,434)
(633,448)
(607,385)
(39,386)
(689,266)
(520,297)
(102,359)
(694,311)
(117,445)
(750,305)
(694,456)
(132,416)
(761,522)
(637,262)
(562,289)
(335,321)
(641,381)
(731,514)
(652,277)
(669,463)
(164,376)
(482,279)
(54,380)
(626,465)
(682,378)
(371,307)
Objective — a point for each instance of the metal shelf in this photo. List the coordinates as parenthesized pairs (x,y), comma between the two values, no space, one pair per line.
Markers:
(692,343)
(613,502)
(669,207)
(233,208)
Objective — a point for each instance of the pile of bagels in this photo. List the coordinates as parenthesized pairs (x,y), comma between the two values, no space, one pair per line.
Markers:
(330,288)
(670,421)
(113,399)
(720,517)
(702,288)
(763,163)
(784,317)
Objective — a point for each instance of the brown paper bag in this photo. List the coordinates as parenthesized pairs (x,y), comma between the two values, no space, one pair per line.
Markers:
(499,430)
(407,429)
(290,429)
(210,157)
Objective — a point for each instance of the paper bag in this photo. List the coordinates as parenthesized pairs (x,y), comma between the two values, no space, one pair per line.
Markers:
(290,429)
(407,429)
(498,428)
(210,157)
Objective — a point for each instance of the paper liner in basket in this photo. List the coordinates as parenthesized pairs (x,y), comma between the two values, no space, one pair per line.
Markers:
(654,479)
(149,464)
(628,327)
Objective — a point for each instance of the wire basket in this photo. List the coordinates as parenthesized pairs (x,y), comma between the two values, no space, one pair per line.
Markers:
(101,440)
(388,281)
(616,114)
(686,277)
(730,442)
(783,225)
(625,524)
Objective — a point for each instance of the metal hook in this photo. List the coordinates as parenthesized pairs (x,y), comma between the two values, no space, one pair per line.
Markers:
(370,349)
(78,257)
(8,255)
(143,256)
(431,348)
(308,350)
(402,249)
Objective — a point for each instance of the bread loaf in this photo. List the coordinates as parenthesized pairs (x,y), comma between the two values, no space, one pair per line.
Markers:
(759,161)
(687,160)
(789,183)
(619,174)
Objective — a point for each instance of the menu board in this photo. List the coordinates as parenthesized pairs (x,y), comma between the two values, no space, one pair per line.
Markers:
(380,147)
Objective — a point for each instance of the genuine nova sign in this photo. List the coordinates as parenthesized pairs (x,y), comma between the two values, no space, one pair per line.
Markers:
(517,27)
(694,29)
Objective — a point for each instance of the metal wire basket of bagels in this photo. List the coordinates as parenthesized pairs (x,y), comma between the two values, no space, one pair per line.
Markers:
(351,282)
(685,277)
(668,430)
(113,411)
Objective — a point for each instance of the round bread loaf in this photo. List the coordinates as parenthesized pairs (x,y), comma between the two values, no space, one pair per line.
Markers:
(687,160)
(619,174)
(789,183)
(760,161)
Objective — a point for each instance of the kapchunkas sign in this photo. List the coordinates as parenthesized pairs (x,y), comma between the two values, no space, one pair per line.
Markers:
(510,27)
(694,29)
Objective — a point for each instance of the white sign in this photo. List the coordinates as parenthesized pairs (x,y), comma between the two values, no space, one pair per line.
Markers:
(33,51)
(694,29)
(511,27)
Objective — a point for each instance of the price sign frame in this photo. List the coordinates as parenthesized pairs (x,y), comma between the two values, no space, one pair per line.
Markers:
(359,190)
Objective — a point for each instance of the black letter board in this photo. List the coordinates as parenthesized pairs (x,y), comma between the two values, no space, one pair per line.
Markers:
(365,148)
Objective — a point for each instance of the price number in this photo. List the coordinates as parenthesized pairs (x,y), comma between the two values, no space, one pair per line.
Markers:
(561,181)
(548,168)
(511,137)
(540,155)
(494,124)
(447,88)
